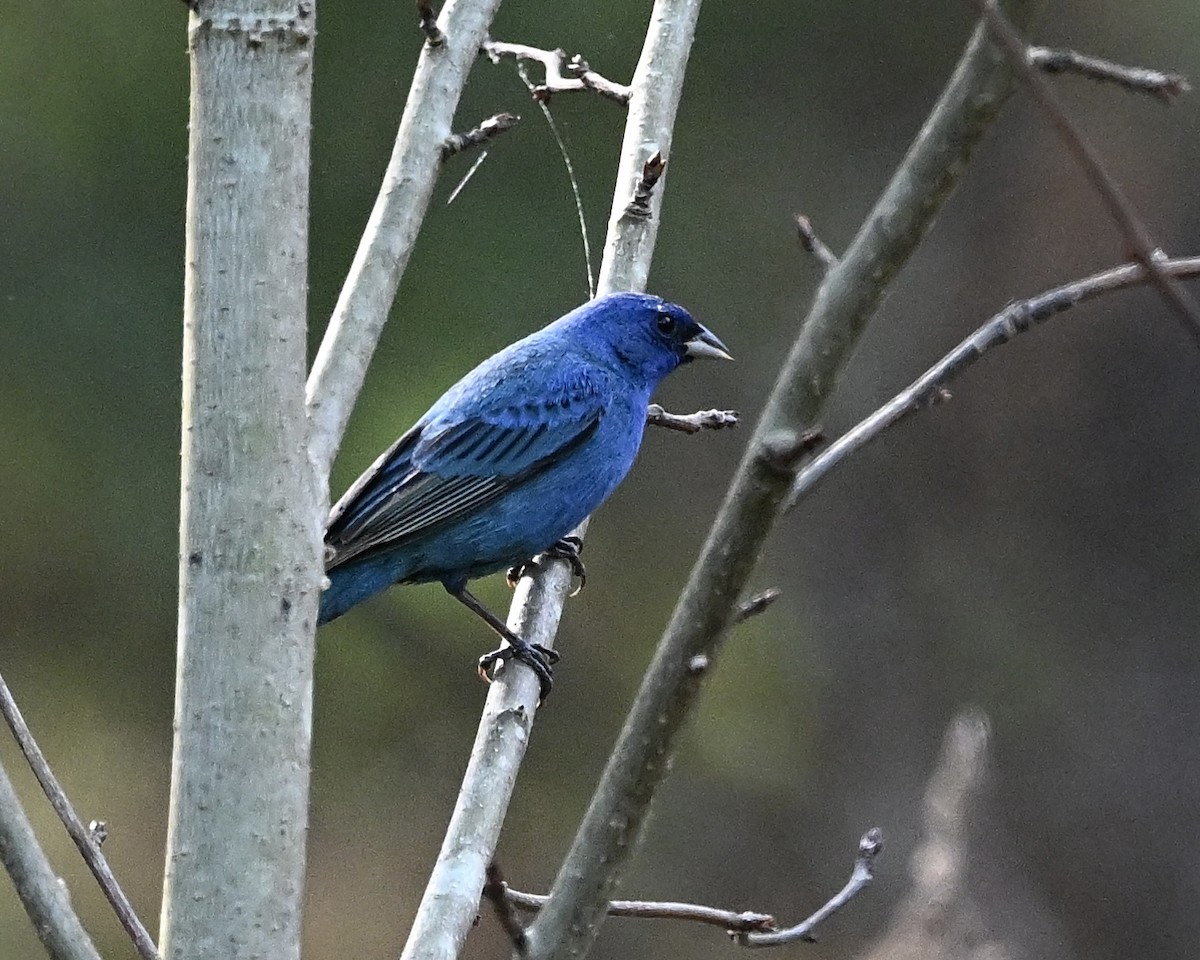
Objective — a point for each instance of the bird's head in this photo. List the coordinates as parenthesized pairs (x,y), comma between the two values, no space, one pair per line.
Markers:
(644,333)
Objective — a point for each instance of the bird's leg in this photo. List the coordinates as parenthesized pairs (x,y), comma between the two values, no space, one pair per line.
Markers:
(537,658)
(568,548)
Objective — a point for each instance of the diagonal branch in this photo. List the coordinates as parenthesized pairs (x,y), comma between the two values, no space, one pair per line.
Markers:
(1122,210)
(451,899)
(839,315)
(930,387)
(370,288)
(84,839)
(44,896)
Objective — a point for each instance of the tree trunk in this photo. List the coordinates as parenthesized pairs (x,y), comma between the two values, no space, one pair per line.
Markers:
(250,537)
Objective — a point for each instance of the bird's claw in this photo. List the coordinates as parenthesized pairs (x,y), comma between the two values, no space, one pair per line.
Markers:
(568,548)
(536,657)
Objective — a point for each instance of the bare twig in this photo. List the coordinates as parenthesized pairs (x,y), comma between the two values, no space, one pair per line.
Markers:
(756,605)
(1164,84)
(813,244)
(1123,212)
(930,387)
(366,298)
(732,920)
(656,416)
(489,129)
(43,895)
(579,75)
(652,172)
(84,841)
(497,893)
(844,303)
(429,26)
(869,848)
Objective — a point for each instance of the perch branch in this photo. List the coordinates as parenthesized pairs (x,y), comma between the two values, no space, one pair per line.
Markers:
(656,416)
(387,242)
(869,848)
(451,899)
(579,75)
(488,130)
(43,895)
(930,387)
(1122,211)
(89,849)
(844,303)
(1164,84)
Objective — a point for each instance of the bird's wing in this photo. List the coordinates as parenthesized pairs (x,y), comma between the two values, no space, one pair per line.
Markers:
(441,471)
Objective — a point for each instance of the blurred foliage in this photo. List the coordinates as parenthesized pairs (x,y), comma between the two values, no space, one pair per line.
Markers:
(1031,547)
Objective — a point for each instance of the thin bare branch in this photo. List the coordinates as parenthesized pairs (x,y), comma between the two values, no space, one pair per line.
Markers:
(1125,215)
(1163,84)
(370,288)
(43,895)
(869,848)
(656,416)
(930,387)
(488,130)
(813,244)
(578,76)
(733,920)
(89,849)
(844,303)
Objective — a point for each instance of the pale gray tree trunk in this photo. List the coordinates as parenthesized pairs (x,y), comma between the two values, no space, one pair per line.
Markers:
(250,538)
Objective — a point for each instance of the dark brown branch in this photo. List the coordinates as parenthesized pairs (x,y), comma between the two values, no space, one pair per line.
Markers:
(505,903)
(578,76)
(1126,216)
(656,416)
(813,244)
(1164,84)
(869,848)
(83,837)
(433,33)
(489,129)
(652,172)
(930,387)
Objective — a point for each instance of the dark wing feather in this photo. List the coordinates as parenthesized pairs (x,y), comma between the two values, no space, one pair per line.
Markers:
(436,474)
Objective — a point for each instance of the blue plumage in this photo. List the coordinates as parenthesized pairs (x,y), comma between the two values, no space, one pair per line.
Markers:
(511,458)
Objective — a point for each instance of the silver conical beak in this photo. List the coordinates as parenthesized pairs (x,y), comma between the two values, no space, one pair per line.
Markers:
(704,344)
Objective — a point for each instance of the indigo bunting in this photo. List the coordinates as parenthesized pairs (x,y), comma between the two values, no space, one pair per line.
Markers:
(510,460)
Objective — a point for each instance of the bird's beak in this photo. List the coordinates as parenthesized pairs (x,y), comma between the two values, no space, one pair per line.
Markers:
(704,344)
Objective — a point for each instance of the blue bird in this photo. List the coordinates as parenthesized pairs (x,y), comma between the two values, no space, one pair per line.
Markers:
(510,460)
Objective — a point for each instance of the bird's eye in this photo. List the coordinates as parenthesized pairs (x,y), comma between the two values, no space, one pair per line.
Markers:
(666,323)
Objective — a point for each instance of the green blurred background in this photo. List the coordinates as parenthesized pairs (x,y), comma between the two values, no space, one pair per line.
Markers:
(1030,548)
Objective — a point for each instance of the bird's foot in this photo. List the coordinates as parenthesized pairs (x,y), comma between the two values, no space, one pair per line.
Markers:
(568,548)
(537,658)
